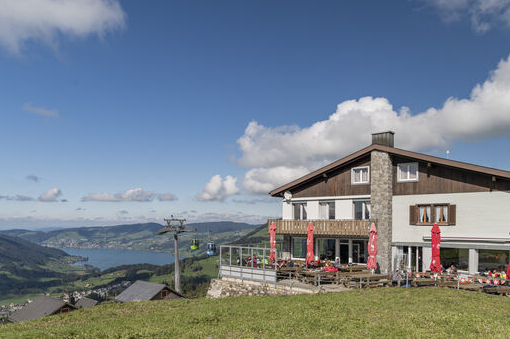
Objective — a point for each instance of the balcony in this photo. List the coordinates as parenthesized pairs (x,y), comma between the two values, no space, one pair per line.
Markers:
(346,227)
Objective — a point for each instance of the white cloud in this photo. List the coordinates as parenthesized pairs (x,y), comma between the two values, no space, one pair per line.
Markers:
(263,180)
(278,155)
(134,194)
(17,197)
(51,195)
(218,189)
(47,20)
(484,14)
(40,110)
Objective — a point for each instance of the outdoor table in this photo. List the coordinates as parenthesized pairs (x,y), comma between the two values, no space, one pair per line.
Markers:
(370,280)
(316,276)
(420,282)
(288,271)
(351,268)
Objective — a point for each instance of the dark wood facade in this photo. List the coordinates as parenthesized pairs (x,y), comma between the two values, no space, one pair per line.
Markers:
(166,293)
(334,183)
(436,179)
(432,179)
(436,176)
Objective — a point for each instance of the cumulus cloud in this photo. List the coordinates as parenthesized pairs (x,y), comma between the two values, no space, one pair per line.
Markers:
(51,195)
(218,189)
(40,110)
(483,14)
(33,178)
(278,155)
(47,20)
(134,194)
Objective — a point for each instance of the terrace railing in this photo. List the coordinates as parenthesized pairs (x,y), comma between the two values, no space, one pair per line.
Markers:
(345,227)
(237,262)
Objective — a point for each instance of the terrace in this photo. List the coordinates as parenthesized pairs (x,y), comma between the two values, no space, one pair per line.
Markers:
(344,227)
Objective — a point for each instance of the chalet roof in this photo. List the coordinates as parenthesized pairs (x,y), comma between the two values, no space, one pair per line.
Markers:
(85,302)
(142,291)
(40,307)
(394,151)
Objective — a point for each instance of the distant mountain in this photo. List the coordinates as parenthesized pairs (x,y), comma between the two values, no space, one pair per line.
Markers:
(133,236)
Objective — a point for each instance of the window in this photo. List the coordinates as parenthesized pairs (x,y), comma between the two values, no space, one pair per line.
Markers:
(326,249)
(360,175)
(492,259)
(459,257)
(424,215)
(362,210)
(407,172)
(428,214)
(327,210)
(300,211)
(164,294)
(299,247)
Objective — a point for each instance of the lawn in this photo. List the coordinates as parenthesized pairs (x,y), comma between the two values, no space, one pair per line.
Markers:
(376,313)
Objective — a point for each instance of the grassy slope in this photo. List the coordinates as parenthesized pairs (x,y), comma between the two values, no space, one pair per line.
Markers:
(388,312)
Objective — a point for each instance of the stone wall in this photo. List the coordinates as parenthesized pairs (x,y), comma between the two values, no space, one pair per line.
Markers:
(381,194)
(230,287)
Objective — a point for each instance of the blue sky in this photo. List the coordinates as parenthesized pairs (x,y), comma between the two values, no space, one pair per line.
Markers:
(129,111)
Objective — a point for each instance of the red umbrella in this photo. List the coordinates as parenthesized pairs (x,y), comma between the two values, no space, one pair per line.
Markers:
(372,248)
(435,264)
(309,244)
(508,269)
(272,239)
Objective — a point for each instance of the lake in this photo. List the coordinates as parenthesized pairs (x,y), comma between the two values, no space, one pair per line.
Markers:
(106,258)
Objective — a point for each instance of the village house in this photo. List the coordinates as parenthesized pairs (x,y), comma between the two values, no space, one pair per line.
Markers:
(41,307)
(144,291)
(85,303)
(404,193)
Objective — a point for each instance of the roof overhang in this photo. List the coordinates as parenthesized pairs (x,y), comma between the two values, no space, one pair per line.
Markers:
(495,173)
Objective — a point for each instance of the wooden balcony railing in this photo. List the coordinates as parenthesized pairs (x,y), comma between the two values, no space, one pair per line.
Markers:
(358,228)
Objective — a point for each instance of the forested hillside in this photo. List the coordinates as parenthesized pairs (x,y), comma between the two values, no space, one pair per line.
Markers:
(27,267)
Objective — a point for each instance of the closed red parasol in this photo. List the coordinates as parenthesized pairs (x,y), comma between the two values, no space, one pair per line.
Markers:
(309,244)
(435,263)
(508,269)
(272,240)
(372,248)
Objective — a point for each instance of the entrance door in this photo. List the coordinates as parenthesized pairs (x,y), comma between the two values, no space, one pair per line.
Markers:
(355,253)
(344,253)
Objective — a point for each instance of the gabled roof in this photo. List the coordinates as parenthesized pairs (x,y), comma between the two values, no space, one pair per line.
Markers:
(40,307)
(142,291)
(85,302)
(394,151)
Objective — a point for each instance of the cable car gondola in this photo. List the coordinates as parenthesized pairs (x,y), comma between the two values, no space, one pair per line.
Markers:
(195,244)
(211,246)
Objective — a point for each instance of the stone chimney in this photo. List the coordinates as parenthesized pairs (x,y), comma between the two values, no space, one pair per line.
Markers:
(383,138)
(381,197)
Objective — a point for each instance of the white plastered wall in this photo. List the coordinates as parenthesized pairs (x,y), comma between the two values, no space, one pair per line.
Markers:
(479,215)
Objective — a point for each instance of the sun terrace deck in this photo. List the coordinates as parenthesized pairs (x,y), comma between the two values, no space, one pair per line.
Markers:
(345,227)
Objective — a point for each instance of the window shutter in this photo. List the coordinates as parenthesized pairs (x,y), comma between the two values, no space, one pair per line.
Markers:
(413,218)
(452,214)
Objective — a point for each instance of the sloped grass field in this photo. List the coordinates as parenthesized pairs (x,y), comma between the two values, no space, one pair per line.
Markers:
(386,313)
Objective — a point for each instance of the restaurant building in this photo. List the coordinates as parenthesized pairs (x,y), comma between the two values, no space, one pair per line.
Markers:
(404,193)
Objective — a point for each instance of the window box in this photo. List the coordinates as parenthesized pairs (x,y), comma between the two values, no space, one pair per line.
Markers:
(428,214)
(407,172)
(360,175)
